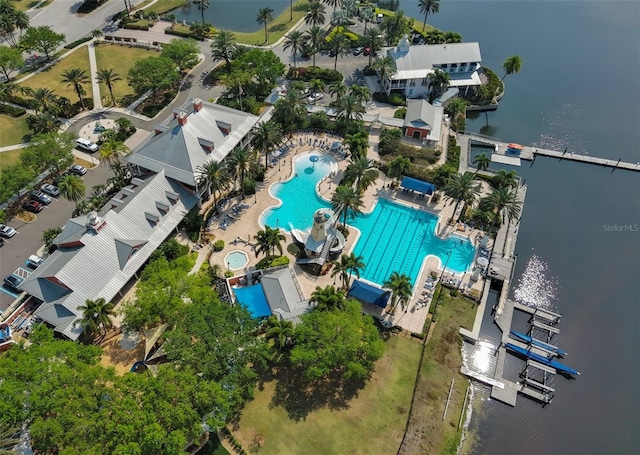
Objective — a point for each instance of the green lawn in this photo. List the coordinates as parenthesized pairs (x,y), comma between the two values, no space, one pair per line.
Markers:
(121,59)
(9,158)
(161,6)
(442,361)
(12,131)
(52,77)
(23,5)
(286,421)
(279,27)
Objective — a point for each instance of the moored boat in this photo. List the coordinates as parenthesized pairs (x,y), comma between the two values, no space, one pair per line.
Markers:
(542,359)
(533,341)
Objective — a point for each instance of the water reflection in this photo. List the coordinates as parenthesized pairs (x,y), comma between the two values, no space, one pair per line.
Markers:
(535,288)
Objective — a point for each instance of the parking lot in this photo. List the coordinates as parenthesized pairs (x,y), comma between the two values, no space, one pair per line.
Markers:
(16,250)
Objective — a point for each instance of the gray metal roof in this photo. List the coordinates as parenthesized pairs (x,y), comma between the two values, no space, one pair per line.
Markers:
(179,150)
(421,114)
(419,60)
(283,294)
(98,269)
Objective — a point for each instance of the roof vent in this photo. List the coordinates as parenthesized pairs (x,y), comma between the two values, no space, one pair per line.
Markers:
(159,129)
(197,104)
(224,127)
(206,144)
(173,197)
(94,222)
(164,208)
(152,217)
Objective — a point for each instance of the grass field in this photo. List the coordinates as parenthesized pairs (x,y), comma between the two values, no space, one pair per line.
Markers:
(427,432)
(121,59)
(284,421)
(161,6)
(12,131)
(52,77)
(277,28)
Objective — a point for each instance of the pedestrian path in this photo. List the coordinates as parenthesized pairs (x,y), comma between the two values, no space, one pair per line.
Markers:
(93,67)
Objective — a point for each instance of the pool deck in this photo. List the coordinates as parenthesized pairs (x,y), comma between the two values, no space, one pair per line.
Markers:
(239,234)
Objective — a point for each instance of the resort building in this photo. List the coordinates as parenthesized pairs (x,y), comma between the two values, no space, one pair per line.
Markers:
(99,253)
(197,133)
(414,64)
(423,121)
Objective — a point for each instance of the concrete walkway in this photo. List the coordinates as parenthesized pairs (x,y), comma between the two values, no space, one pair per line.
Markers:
(93,68)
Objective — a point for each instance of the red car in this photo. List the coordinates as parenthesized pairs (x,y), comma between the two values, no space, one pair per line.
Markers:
(33,206)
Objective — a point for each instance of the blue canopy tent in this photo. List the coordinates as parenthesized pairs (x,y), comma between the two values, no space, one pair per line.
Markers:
(369,294)
(419,186)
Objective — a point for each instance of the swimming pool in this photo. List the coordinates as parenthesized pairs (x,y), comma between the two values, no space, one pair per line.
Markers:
(393,237)
(254,299)
(298,196)
(236,260)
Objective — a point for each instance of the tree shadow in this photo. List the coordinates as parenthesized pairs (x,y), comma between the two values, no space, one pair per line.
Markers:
(277,28)
(299,397)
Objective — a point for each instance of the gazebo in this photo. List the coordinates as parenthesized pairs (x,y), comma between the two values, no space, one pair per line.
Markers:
(418,186)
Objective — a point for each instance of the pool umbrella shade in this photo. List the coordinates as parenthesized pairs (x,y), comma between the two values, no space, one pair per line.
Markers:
(482,262)
(313,159)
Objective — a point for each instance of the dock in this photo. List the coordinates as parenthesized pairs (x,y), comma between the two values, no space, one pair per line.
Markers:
(530,153)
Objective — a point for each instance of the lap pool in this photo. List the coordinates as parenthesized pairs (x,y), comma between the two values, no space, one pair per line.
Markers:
(393,237)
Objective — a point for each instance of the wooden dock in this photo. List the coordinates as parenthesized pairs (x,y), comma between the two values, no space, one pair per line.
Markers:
(530,153)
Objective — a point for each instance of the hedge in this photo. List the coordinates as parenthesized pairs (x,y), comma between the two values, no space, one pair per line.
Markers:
(328,76)
(78,42)
(170,31)
(135,26)
(394,99)
(11,110)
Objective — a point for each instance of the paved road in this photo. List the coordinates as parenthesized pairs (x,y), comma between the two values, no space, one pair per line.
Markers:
(17,249)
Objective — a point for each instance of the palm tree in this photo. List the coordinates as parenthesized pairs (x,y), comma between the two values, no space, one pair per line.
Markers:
(294,40)
(72,188)
(107,76)
(239,164)
(371,39)
(463,188)
(43,98)
(428,7)
(339,47)
(96,34)
(504,179)
(215,177)
(279,330)
(339,89)
(314,39)
(292,107)
(456,107)
(355,265)
(76,77)
(504,204)
(266,137)
(202,6)
(366,14)
(398,167)
(96,316)
(315,14)
(362,173)
(481,162)
(223,47)
(438,83)
(111,150)
(346,202)
(511,65)
(327,298)
(268,241)
(235,80)
(44,122)
(316,86)
(8,439)
(361,93)
(346,266)
(265,16)
(348,109)
(385,67)
(401,289)
(333,3)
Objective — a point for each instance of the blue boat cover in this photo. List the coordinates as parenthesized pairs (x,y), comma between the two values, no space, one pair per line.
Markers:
(369,294)
(418,185)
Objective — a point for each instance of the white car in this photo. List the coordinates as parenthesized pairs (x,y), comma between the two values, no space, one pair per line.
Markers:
(34,261)
(7,231)
(315,97)
(78,170)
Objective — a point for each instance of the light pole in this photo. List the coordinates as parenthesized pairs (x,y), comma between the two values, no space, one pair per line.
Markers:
(255,197)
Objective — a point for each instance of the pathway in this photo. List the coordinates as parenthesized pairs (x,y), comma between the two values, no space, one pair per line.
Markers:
(93,68)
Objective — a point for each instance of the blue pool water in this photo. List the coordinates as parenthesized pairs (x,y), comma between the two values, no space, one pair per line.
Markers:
(393,237)
(236,260)
(298,195)
(254,299)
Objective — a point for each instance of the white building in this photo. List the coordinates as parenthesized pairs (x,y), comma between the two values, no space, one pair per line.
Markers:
(414,63)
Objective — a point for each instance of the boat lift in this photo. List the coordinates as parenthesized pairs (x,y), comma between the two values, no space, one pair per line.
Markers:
(549,330)
(548,317)
(546,392)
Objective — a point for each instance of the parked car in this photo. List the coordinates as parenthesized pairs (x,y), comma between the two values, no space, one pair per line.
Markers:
(358,50)
(34,261)
(33,206)
(78,170)
(50,189)
(86,145)
(315,97)
(366,51)
(12,282)
(7,231)
(40,197)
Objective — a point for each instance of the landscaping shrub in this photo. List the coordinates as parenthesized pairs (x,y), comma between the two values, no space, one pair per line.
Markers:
(249,186)
(319,120)
(25,102)
(189,34)
(453,153)
(293,249)
(400,113)
(272,261)
(11,110)
(78,42)
(394,99)
(218,245)
(228,274)
(339,29)
(369,71)
(328,76)
(142,25)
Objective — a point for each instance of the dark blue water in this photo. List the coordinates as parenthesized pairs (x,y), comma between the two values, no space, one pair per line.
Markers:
(236,15)
(578,88)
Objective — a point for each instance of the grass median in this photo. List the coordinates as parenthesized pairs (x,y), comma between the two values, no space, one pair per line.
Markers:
(12,131)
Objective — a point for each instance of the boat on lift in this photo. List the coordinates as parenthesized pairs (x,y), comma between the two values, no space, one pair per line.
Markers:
(542,359)
(530,340)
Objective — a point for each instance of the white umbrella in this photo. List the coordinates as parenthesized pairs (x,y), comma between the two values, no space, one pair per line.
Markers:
(482,261)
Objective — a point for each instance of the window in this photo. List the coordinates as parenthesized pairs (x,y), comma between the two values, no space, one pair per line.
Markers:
(425,81)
